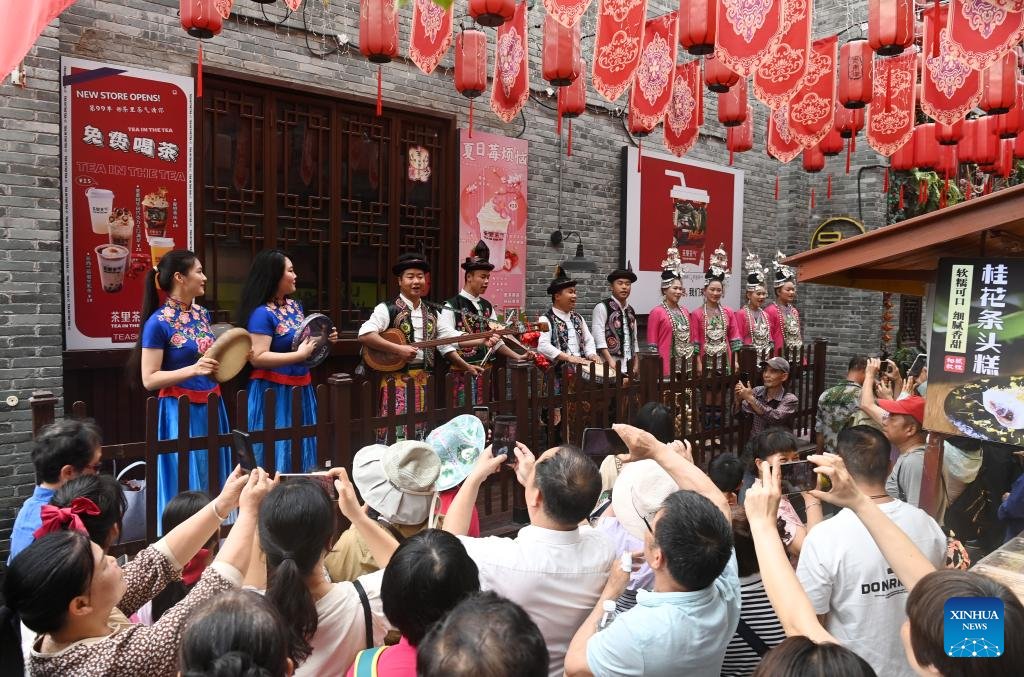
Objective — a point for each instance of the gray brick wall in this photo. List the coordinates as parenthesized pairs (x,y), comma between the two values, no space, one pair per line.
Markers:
(147,34)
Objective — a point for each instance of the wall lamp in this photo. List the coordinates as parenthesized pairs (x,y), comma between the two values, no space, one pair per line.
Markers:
(578,263)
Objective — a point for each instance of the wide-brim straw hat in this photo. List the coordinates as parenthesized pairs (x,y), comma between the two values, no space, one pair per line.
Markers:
(458,444)
(398,481)
(641,488)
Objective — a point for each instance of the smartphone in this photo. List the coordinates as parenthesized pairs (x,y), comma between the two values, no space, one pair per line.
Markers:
(602,441)
(919,363)
(504,436)
(241,454)
(324,480)
(484,414)
(745,378)
(798,476)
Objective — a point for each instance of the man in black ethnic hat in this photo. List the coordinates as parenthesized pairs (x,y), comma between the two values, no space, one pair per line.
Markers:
(473,308)
(568,339)
(417,322)
(614,323)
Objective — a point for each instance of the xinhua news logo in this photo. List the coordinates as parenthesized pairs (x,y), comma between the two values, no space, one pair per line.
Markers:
(974,627)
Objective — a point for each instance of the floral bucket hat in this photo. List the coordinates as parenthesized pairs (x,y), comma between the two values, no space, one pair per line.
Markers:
(458,444)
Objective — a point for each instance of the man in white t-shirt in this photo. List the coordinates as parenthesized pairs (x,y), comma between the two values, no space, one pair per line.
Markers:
(861,601)
(554,569)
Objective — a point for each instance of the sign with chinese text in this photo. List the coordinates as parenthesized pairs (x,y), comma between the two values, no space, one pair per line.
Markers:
(126,142)
(492,208)
(976,357)
(700,205)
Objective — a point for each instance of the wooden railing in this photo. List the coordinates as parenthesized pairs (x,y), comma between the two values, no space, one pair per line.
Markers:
(348,417)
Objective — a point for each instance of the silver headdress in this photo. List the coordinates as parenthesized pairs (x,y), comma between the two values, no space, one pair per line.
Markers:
(756,273)
(718,271)
(783,273)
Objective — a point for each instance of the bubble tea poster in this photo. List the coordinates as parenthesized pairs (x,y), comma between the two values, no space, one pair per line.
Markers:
(492,208)
(126,140)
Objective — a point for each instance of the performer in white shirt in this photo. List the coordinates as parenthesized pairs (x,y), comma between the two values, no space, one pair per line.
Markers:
(418,323)
(473,308)
(614,323)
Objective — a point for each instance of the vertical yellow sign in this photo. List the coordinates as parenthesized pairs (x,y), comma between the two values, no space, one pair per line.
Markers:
(959,308)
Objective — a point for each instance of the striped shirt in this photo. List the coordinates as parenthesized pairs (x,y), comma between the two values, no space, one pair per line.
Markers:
(756,611)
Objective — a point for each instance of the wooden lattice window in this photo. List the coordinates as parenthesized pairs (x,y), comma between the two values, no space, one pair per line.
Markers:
(328,181)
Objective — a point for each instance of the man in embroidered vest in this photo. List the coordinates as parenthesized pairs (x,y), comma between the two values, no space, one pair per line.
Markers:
(472,308)
(614,323)
(418,323)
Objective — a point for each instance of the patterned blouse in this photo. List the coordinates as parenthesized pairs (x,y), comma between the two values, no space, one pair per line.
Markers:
(183,333)
(139,649)
(279,322)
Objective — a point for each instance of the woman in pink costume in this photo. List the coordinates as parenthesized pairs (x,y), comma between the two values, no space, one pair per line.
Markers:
(751,326)
(783,317)
(669,327)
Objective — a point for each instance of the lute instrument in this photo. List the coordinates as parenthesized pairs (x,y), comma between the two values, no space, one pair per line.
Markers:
(381,360)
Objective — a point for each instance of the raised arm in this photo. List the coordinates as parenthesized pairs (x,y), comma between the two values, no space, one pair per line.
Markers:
(381,543)
(460,512)
(867,392)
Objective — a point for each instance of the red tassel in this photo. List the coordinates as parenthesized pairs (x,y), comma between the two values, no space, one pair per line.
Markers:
(969,193)
(901,198)
(888,86)
(922,192)
(829,186)
(812,198)
(776,186)
(853,142)
(558,125)
(471,118)
(730,157)
(569,147)
(849,149)
(199,73)
(936,25)
(945,191)
(885,181)
(639,153)
(988,186)
(380,91)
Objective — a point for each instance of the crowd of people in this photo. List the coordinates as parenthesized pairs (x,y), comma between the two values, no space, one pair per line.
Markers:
(643,564)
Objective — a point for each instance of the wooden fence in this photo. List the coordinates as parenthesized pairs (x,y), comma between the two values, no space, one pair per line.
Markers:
(348,417)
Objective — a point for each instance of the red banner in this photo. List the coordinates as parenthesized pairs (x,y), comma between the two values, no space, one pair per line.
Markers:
(981,34)
(567,12)
(780,142)
(747,30)
(1007,5)
(893,100)
(949,86)
(812,109)
(777,77)
(685,112)
(620,31)
(431,34)
(126,142)
(651,92)
(492,208)
(511,86)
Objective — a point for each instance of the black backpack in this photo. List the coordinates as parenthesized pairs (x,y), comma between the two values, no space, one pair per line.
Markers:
(970,515)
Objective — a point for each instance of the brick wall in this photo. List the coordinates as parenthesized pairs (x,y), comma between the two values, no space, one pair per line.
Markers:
(147,34)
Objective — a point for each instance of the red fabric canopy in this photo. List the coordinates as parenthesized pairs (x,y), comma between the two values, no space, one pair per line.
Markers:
(21,23)
(685,112)
(431,34)
(778,77)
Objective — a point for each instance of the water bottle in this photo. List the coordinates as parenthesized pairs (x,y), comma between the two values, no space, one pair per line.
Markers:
(608,616)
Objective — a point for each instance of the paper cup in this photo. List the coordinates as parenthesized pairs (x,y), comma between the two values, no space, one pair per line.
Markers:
(158,246)
(112,260)
(101,201)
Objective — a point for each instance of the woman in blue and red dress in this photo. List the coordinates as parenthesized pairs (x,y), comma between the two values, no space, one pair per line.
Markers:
(171,348)
(272,318)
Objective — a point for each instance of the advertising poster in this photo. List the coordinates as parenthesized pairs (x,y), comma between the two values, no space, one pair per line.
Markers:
(126,142)
(698,204)
(492,208)
(976,356)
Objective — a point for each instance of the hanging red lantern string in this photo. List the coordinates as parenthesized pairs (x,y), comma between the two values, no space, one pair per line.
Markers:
(201,19)
(812,197)
(732,105)
(945,192)
(922,192)
(999,85)
(697,22)
(937,34)
(855,74)
(829,186)
(718,77)
(949,135)
(1018,146)
(885,181)
(776,186)
(471,67)
(832,144)
(1011,122)
(926,150)
(849,150)
(813,159)
(561,52)
(890,26)
(378,37)
(740,139)
(492,13)
(572,102)
(903,159)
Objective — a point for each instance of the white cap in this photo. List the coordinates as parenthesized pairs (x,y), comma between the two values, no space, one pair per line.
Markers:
(609,605)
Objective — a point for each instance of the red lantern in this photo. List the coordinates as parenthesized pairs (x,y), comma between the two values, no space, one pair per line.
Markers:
(849,121)
(378,35)
(999,85)
(948,162)
(200,18)
(492,12)
(967,148)
(903,159)
(740,139)
(1004,160)
(1018,146)
(572,102)
(471,67)
(697,21)
(986,143)
(814,159)
(890,26)
(561,53)
(855,69)
(949,135)
(732,105)
(717,76)
(832,144)
(1010,122)
(926,149)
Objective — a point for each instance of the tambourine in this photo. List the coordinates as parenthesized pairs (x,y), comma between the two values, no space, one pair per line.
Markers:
(318,327)
(231,350)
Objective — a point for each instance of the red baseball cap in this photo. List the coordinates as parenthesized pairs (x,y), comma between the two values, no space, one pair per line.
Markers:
(908,406)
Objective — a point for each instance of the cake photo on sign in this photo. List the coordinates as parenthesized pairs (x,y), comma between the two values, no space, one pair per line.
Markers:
(689,219)
(989,408)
